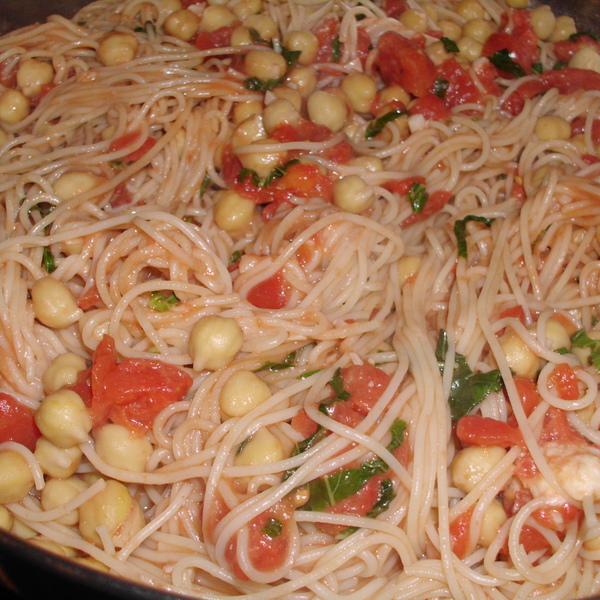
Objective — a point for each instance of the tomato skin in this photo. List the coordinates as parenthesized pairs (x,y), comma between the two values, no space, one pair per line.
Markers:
(460,532)
(565,49)
(272,293)
(485,431)
(532,539)
(401,61)
(133,392)
(528,393)
(436,201)
(395,8)
(578,126)
(461,88)
(556,428)
(17,423)
(303,424)
(121,196)
(563,380)
(365,384)
(326,33)
(402,186)
(220,38)
(90,299)
(302,180)
(127,140)
(431,107)
(343,413)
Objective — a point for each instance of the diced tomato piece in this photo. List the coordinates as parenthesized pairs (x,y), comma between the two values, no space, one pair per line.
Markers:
(487,74)
(557,517)
(17,423)
(220,38)
(563,380)
(304,130)
(8,73)
(485,431)
(556,428)
(90,299)
(133,392)
(121,196)
(402,186)
(528,393)
(565,49)
(326,33)
(431,107)
(525,467)
(515,312)
(461,88)
(186,3)
(342,412)
(395,8)
(436,201)
(341,153)
(303,424)
(401,61)
(273,292)
(363,44)
(304,181)
(460,532)
(590,159)
(44,89)
(365,384)
(129,139)
(532,540)
(578,126)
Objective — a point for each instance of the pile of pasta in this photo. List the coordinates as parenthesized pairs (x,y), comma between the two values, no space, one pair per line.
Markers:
(300,299)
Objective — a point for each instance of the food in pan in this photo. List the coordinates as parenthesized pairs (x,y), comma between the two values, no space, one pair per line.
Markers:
(300,299)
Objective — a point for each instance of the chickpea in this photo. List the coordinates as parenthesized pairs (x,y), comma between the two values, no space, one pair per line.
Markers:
(233,213)
(245,110)
(552,128)
(415,20)
(493,519)
(53,547)
(63,371)
(262,448)
(290,94)
(472,464)
(352,194)
(263,25)
(120,448)
(327,109)
(303,79)
(564,27)
(450,29)
(32,75)
(15,477)
(478,29)
(113,508)
(360,89)
(557,336)
(241,36)
(214,342)
(437,53)
(263,161)
(518,3)
(469,48)
(74,183)
(586,58)
(57,492)
(55,461)
(265,65)
(6,518)
(521,359)
(277,112)
(63,418)
(305,42)
(117,48)
(242,392)
(245,8)
(470,9)
(249,130)
(543,21)
(169,6)
(408,266)
(393,94)
(54,304)
(182,24)
(214,17)
(14,106)
(372,164)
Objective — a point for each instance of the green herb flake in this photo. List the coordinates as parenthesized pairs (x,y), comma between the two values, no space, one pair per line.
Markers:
(161,303)
(205,185)
(254,84)
(291,56)
(337,384)
(255,37)
(467,389)
(235,257)
(440,87)
(277,172)
(286,364)
(503,61)
(460,231)
(537,68)
(336,50)
(48,261)
(449,45)
(244,173)
(580,339)
(417,196)
(559,65)
(376,126)
(272,528)
(575,36)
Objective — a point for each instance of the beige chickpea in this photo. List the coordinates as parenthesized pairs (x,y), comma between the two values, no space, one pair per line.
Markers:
(249,130)
(91,563)
(327,109)
(408,266)
(3,137)
(552,128)
(15,477)
(564,27)
(182,24)
(245,8)
(214,342)
(437,53)
(265,65)
(120,448)
(303,41)
(469,48)
(521,359)
(493,519)
(392,94)
(478,29)
(518,3)
(586,58)
(32,75)
(14,106)
(450,29)
(245,110)
(169,6)
(557,336)
(262,448)
(53,303)
(372,164)
(63,418)
(52,546)
(57,492)
(214,17)
(242,392)
(6,518)
(241,36)
(470,9)
(233,213)
(263,160)
(415,20)
(543,21)
(287,93)
(263,24)
(74,183)
(63,371)
(55,461)
(472,464)
(303,79)
(352,194)
(277,112)
(117,48)
(360,89)
(112,508)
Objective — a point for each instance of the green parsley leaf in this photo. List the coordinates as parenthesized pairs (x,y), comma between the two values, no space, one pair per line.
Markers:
(278,172)
(417,196)
(337,384)
(205,185)
(449,45)
(117,165)
(460,231)
(291,56)
(255,37)
(467,389)
(48,261)
(376,126)
(161,303)
(254,84)
(503,61)
(244,173)
(440,87)
(286,364)
(235,257)
(336,50)
(272,528)
(386,495)
(559,65)
(580,339)
(537,68)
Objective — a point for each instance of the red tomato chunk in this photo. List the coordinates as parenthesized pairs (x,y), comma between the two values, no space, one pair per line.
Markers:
(17,423)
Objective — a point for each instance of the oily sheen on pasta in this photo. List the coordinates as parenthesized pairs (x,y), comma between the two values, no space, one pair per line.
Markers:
(300,299)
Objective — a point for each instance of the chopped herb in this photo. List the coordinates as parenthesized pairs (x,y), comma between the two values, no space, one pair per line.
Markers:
(460,231)
(243,445)
(376,126)
(467,389)
(386,495)
(244,173)
(580,339)
(537,68)
(278,172)
(286,364)
(337,384)
(398,429)
(449,45)
(161,303)
(272,528)
(562,351)
(559,64)
(309,374)
(235,257)
(81,23)
(48,261)
(44,208)
(574,36)
(417,196)
(440,87)
(254,84)
(291,56)
(205,185)
(147,25)
(336,49)
(503,61)
(255,36)
(117,165)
